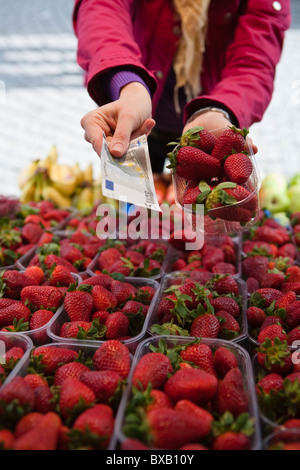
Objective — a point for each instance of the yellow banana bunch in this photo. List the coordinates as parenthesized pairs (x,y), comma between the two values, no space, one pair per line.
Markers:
(49,193)
(28,192)
(63,178)
(26,174)
(85,198)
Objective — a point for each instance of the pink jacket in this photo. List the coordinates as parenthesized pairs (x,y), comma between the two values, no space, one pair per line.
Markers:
(244,43)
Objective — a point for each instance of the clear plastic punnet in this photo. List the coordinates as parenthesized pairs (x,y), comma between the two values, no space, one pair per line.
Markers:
(14,340)
(244,364)
(179,276)
(54,327)
(225,219)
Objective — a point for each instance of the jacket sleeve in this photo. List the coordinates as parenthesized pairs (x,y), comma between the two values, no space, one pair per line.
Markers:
(105,40)
(247,80)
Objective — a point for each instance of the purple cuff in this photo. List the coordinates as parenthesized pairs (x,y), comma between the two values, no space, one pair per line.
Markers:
(114,81)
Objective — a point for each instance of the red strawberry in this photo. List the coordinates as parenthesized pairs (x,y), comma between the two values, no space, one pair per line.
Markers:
(200,137)
(223,268)
(52,259)
(241,213)
(229,327)
(103,299)
(52,356)
(79,304)
(103,280)
(104,383)
(231,395)
(294,335)
(61,276)
(117,325)
(201,355)
(42,297)
(271,320)
(292,318)
(6,439)
(72,329)
(27,422)
(132,307)
(14,312)
(232,139)
(12,282)
(72,369)
(226,303)
(113,356)
(70,252)
(255,316)
(203,417)
(191,384)
(101,316)
(46,238)
(14,353)
(224,360)
(44,436)
(274,356)
(225,285)
(192,163)
(238,168)
(252,285)
(190,195)
(97,421)
(44,400)
(267,295)
(123,291)
(165,307)
(212,258)
(291,286)
(286,300)
(74,394)
(272,332)
(152,368)
(255,267)
(18,391)
(35,380)
(36,273)
(159,400)
(289,250)
(31,233)
(205,326)
(40,318)
(145,294)
(268,383)
(108,257)
(232,441)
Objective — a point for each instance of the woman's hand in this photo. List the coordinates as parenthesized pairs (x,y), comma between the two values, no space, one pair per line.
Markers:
(121,121)
(213,121)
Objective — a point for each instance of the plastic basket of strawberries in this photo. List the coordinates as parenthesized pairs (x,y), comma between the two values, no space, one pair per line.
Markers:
(14,350)
(286,439)
(200,304)
(189,395)
(61,392)
(218,175)
(277,376)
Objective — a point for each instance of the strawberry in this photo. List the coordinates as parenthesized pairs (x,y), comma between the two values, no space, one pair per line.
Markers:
(272,320)
(206,326)
(268,383)
(224,268)
(290,251)
(145,294)
(45,239)
(231,441)
(113,356)
(200,355)
(35,380)
(191,384)
(229,327)
(103,280)
(44,400)
(72,369)
(52,259)
(6,439)
(294,335)
(74,397)
(42,297)
(61,276)
(232,139)
(16,399)
(123,291)
(135,257)
(12,282)
(133,444)
(238,168)
(36,273)
(292,318)
(40,318)
(224,360)
(94,427)
(224,196)
(79,303)
(203,417)
(291,286)
(14,312)
(274,356)
(43,436)
(152,368)
(104,384)
(212,258)
(103,299)
(71,253)
(50,357)
(190,195)
(108,257)
(132,307)
(255,316)
(231,395)
(75,329)
(273,280)
(158,400)
(252,285)
(272,332)
(255,267)
(31,233)
(199,137)
(264,297)
(192,163)
(101,316)
(117,325)
(225,285)
(226,303)
(293,273)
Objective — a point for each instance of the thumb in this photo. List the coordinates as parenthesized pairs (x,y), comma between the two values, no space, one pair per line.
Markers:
(121,138)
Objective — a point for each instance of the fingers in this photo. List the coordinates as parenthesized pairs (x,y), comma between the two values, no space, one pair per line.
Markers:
(122,136)
(93,135)
(146,128)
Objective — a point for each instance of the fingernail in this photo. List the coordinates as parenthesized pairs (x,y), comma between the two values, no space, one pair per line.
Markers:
(118,148)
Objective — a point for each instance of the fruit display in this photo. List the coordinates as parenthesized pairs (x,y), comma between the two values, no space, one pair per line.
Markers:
(102,308)
(201,305)
(189,395)
(218,255)
(276,368)
(287,439)
(219,174)
(66,398)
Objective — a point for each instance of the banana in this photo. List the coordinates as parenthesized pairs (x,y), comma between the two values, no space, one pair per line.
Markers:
(88,174)
(28,192)
(63,179)
(52,194)
(78,173)
(85,199)
(27,173)
(53,155)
